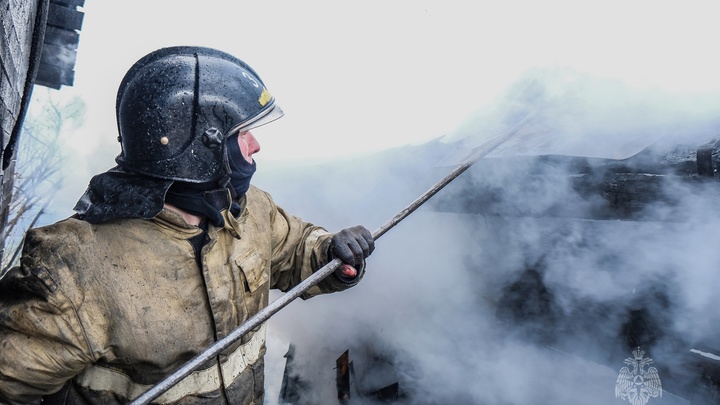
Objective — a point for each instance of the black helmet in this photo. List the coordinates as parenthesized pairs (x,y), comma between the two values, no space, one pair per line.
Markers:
(176,106)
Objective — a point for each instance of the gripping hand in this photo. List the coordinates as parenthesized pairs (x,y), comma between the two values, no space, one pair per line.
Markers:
(352,246)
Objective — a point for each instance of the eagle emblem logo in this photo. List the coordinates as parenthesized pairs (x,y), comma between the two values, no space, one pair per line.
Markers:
(636,383)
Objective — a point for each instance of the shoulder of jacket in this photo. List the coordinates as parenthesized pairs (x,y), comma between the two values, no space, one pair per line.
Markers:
(72,232)
(259,198)
(64,230)
(256,192)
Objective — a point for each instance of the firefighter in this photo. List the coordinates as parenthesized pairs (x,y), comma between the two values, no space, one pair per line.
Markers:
(168,251)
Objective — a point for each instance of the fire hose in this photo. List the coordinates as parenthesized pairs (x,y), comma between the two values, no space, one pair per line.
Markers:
(265,314)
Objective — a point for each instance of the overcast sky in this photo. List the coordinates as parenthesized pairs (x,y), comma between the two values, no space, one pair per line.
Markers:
(365,76)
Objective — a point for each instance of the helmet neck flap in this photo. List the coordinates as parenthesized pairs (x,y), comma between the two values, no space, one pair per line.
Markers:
(118,194)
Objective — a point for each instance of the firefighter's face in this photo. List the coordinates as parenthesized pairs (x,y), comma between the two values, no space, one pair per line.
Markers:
(248,145)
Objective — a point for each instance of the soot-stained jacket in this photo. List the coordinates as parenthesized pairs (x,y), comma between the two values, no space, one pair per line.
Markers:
(99,313)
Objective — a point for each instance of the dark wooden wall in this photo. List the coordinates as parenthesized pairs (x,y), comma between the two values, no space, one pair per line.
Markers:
(38,43)
(20,47)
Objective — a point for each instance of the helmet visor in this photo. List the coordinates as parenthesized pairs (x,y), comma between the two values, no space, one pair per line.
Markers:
(267,116)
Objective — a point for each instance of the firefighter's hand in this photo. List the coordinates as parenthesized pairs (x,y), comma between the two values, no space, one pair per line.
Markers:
(352,246)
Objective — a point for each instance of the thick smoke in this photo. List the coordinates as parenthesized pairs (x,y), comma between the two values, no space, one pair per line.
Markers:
(536,302)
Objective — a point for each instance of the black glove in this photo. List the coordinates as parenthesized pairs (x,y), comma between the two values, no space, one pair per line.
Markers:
(352,245)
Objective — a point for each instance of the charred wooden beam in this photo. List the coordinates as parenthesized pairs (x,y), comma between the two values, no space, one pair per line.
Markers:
(293,386)
(349,386)
(707,363)
(707,159)
(342,379)
(389,393)
(356,386)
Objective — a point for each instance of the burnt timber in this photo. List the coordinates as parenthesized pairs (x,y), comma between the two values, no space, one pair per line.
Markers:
(599,189)
(652,185)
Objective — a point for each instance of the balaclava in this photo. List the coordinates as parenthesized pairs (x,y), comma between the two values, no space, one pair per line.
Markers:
(241,171)
(203,199)
(206,199)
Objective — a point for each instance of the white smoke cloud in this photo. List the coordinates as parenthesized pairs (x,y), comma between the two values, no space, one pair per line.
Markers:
(436,300)
(429,302)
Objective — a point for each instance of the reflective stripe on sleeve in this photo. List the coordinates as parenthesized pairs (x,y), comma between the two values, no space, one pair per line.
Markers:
(99,378)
